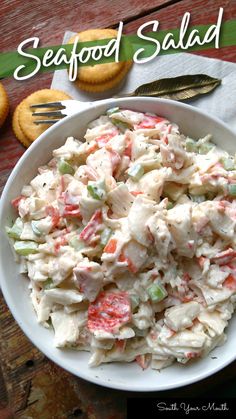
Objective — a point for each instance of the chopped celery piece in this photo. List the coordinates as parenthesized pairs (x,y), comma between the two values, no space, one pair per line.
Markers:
(112,110)
(97,190)
(134,301)
(48,284)
(205,148)
(35,229)
(65,168)
(76,243)
(170,205)
(25,248)
(123,126)
(228,163)
(15,231)
(232,190)
(157,292)
(106,234)
(136,172)
(198,198)
(191,145)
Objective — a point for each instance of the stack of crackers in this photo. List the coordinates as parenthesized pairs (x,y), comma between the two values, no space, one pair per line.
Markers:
(100,77)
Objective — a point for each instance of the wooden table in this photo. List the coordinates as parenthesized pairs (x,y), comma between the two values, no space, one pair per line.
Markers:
(31,386)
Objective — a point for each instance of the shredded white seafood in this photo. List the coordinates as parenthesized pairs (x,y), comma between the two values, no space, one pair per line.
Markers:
(128,240)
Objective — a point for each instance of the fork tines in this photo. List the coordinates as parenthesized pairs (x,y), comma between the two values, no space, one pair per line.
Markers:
(48,105)
(46,121)
(52,114)
(49,113)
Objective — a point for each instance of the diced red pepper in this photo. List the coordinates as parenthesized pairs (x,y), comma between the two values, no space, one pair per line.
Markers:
(92,148)
(122,258)
(109,311)
(131,267)
(230,283)
(128,148)
(15,202)
(103,139)
(54,214)
(150,121)
(71,211)
(110,246)
(136,193)
(92,227)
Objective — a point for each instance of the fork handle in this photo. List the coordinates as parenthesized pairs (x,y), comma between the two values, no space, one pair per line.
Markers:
(73,106)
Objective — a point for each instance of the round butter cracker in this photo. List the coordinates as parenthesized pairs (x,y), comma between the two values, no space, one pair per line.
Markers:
(17,129)
(98,73)
(109,84)
(26,119)
(4,104)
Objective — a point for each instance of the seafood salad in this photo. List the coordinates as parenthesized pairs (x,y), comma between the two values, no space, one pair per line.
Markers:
(127,237)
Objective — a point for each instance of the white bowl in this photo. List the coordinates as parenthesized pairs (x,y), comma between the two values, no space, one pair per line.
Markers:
(14,286)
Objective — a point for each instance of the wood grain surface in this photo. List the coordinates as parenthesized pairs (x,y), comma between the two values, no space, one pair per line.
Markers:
(31,386)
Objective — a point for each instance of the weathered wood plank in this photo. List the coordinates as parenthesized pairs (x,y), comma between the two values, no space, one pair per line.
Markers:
(202,13)
(48,21)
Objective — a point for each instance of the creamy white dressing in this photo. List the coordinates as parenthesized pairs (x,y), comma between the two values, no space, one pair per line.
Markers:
(133,215)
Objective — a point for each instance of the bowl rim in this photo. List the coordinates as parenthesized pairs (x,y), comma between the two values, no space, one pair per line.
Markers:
(27,329)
